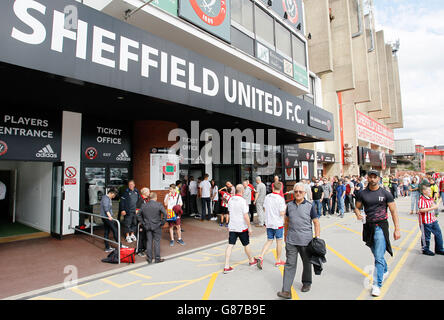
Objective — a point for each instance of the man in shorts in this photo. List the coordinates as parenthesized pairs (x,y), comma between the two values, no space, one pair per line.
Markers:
(274,206)
(239,227)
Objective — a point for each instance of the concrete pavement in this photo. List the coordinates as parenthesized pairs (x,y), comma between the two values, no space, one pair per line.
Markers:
(346,275)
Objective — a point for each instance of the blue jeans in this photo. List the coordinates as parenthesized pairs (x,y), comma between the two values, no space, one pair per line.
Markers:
(427,230)
(378,251)
(318,206)
(341,205)
(414,199)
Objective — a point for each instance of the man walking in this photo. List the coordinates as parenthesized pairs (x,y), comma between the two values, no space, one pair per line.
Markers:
(300,216)
(261,191)
(141,239)
(127,207)
(274,206)
(349,190)
(375,200)
(152,217)
(247,197)
(238,227)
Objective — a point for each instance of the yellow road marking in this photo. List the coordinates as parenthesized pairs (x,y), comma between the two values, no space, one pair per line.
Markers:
(207,293)
(45,298)
(410,219)
(118,285)
(365,291)
(140,275)
(294,295)
(164,282)
(398,267)
(86,294)
(346,228)
(195,260)
(347,261)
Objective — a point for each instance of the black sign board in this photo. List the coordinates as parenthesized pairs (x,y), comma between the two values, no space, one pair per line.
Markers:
(325,157)
(391,161)
(319,121)
(113,53)
(30,136)
(293,154)
(105,141)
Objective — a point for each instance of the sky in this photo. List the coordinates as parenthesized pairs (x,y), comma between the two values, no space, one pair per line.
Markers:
(419,25)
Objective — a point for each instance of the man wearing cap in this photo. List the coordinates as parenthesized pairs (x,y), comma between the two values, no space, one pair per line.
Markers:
(375,200)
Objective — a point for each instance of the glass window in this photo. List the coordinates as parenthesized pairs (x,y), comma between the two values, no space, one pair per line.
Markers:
(283,39)
(299,50)
(264,26)
(241,41)
(242,13)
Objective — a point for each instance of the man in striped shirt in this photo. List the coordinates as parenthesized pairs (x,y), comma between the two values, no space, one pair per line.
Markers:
(428,223)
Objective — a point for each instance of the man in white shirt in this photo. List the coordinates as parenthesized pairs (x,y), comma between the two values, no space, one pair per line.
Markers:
(247,196)
(205,195)
(193,196)
(274,206)
(172,199)
(238,227)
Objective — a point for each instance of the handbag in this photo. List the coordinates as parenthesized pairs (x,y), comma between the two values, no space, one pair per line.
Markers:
(127,255)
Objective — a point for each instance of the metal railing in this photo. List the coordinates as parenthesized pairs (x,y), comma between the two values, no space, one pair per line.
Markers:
(91,233)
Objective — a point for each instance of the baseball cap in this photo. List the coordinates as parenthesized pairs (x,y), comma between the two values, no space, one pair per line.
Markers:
(375,172)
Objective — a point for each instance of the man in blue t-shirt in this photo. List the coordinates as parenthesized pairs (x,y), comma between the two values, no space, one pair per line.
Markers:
(340,195)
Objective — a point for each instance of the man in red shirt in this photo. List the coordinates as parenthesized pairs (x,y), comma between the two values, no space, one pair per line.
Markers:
(441,189)
(428,223)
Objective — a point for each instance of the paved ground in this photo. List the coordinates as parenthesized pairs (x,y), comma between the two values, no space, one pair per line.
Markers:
(198,275)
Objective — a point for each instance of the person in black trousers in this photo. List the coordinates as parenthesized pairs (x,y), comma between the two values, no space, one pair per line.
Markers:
(141,239)
(106,211)
(153,216)
(334,203)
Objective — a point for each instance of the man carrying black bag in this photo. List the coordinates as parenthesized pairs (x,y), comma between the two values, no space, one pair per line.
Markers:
(152,215)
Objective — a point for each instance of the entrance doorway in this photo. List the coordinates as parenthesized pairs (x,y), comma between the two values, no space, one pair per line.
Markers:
(33,202)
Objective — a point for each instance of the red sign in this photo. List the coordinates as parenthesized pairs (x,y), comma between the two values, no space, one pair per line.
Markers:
(70,173)
(3,148)
(372,131)
(212,21)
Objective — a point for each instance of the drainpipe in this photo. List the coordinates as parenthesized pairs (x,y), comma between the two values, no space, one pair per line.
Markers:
(360,31)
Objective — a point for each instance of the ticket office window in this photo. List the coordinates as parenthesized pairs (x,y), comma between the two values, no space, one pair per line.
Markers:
(97,180)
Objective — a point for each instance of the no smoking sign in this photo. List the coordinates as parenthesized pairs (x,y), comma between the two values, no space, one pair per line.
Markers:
(70,176)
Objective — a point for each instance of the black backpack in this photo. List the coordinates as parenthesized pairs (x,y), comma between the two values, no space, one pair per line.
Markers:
(113,257)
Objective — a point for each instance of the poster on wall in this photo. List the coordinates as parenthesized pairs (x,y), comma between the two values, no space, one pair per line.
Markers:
(164,170)
(305,172)
(30,136)
(105,141)
(290,174)
(211,15)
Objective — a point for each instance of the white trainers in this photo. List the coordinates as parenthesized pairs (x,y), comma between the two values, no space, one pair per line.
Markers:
(133,237)
(128,239)
(213,219)
(385,276)
(376,291)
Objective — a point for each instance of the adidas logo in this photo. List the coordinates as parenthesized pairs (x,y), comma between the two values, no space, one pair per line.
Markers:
(46,152)
(123,156)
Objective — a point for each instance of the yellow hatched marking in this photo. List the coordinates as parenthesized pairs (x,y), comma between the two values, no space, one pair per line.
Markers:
(349,229)
(164,282)
(195,260)
(364,292)
(118,285)
(86,294)
(294,295)
(140,275)
(351,264)
(398,267)
(210,286)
